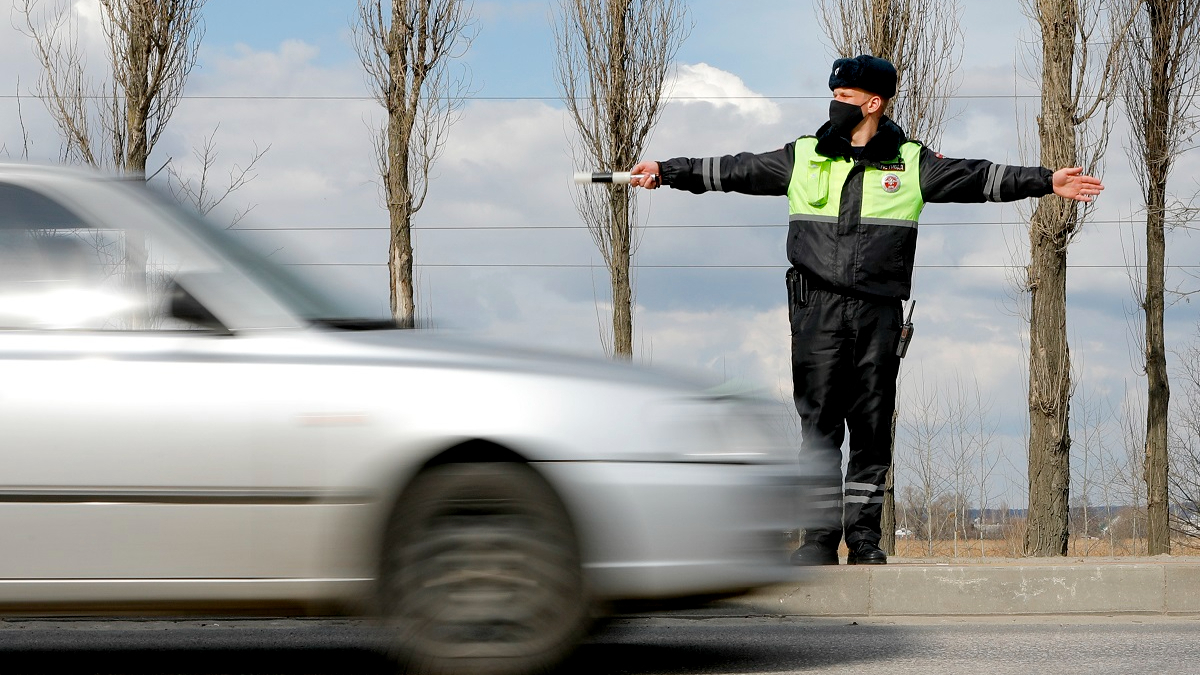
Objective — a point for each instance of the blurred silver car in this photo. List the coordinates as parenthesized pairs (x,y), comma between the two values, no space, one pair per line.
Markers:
(188,427)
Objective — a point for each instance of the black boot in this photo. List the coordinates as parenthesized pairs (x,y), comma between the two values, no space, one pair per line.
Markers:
(866,553)
(814,554)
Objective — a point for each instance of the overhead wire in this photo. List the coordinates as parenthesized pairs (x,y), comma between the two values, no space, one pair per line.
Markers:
(727,226)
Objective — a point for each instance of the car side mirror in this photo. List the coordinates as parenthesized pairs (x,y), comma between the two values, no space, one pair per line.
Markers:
(185,307)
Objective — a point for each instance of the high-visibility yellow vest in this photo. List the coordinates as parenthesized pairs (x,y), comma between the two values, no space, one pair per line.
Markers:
(888,194)
(870,248)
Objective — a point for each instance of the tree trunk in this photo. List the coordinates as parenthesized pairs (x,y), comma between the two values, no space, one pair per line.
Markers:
(401,119)
(137,94)
(619,272)
(1158,394)
(1049,399)
(400,249)
(132,155)
(887,521)
(620,133)
(1158,388)
(400,267)
(1053,222)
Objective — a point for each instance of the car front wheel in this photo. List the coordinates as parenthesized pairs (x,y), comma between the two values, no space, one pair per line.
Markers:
(481,573)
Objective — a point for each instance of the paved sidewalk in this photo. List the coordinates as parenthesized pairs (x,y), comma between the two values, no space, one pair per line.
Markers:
(1147,585)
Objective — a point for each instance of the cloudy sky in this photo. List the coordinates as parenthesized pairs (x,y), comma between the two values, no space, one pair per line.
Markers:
(501,251)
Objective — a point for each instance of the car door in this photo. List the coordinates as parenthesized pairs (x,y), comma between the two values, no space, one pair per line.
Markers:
(131,442)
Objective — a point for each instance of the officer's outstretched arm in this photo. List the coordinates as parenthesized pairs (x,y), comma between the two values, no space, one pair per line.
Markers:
(947,179)
(767,173)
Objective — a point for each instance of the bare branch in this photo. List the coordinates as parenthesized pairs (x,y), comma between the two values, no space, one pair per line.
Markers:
(200,193)
(63,87)
(21,121)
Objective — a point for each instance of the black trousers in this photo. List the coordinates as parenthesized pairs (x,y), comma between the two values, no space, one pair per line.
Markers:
(844,370)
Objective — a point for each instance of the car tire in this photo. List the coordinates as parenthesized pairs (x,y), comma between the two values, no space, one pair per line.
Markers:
(481,573)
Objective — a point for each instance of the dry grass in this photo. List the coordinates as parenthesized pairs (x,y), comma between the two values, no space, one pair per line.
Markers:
(1011,547)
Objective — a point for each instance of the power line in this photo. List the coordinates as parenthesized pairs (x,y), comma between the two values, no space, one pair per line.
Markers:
(746,226)
(367,97)
(686,267)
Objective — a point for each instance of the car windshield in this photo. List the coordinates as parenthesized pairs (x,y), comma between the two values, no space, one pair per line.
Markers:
(318,304)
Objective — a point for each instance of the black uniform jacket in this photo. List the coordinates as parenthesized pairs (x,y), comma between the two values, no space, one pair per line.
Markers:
(942,179)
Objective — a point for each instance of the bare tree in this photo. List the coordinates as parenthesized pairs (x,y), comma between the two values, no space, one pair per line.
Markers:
(1113,468)
(947,464)
(922,429)
(613,60)
(1078,81)
(974,458)
(1130,523)
(987,461)
(1159,86)
(152,47)
(958,462)
(407,52)
(1094,469)
(921,38)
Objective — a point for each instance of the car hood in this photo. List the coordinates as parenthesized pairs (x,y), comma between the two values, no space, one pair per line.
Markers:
(443,349)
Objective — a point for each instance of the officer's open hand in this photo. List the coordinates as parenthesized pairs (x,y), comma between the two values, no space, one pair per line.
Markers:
(1070,183)
(650,175)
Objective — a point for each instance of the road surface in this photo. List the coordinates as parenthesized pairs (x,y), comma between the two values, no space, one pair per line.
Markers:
(652,645)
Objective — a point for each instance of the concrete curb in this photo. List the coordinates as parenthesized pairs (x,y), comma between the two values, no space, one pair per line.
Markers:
(1158,585)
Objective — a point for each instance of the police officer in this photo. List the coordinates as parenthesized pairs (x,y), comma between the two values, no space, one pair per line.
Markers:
(855,191)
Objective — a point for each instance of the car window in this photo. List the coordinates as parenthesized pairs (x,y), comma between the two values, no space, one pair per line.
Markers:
(59,273)
(317,302)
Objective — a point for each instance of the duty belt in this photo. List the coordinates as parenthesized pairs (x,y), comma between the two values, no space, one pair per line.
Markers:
(800,287)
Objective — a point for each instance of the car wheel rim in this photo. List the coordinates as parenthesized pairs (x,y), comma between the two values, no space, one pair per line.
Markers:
(485,572)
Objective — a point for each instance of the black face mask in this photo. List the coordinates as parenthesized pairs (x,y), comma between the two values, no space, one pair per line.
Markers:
(844,117)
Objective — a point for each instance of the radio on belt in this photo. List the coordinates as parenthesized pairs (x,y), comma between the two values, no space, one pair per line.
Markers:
(906,331)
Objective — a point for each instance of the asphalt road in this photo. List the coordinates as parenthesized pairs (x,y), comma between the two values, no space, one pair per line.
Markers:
(635,646)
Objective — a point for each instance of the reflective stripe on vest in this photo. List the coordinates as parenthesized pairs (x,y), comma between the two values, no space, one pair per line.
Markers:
(890,196)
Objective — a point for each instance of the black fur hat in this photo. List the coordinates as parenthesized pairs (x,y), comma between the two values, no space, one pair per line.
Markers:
(871,73)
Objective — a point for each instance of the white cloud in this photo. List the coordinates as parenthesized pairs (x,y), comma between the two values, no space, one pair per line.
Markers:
(702,83)
(288,70)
